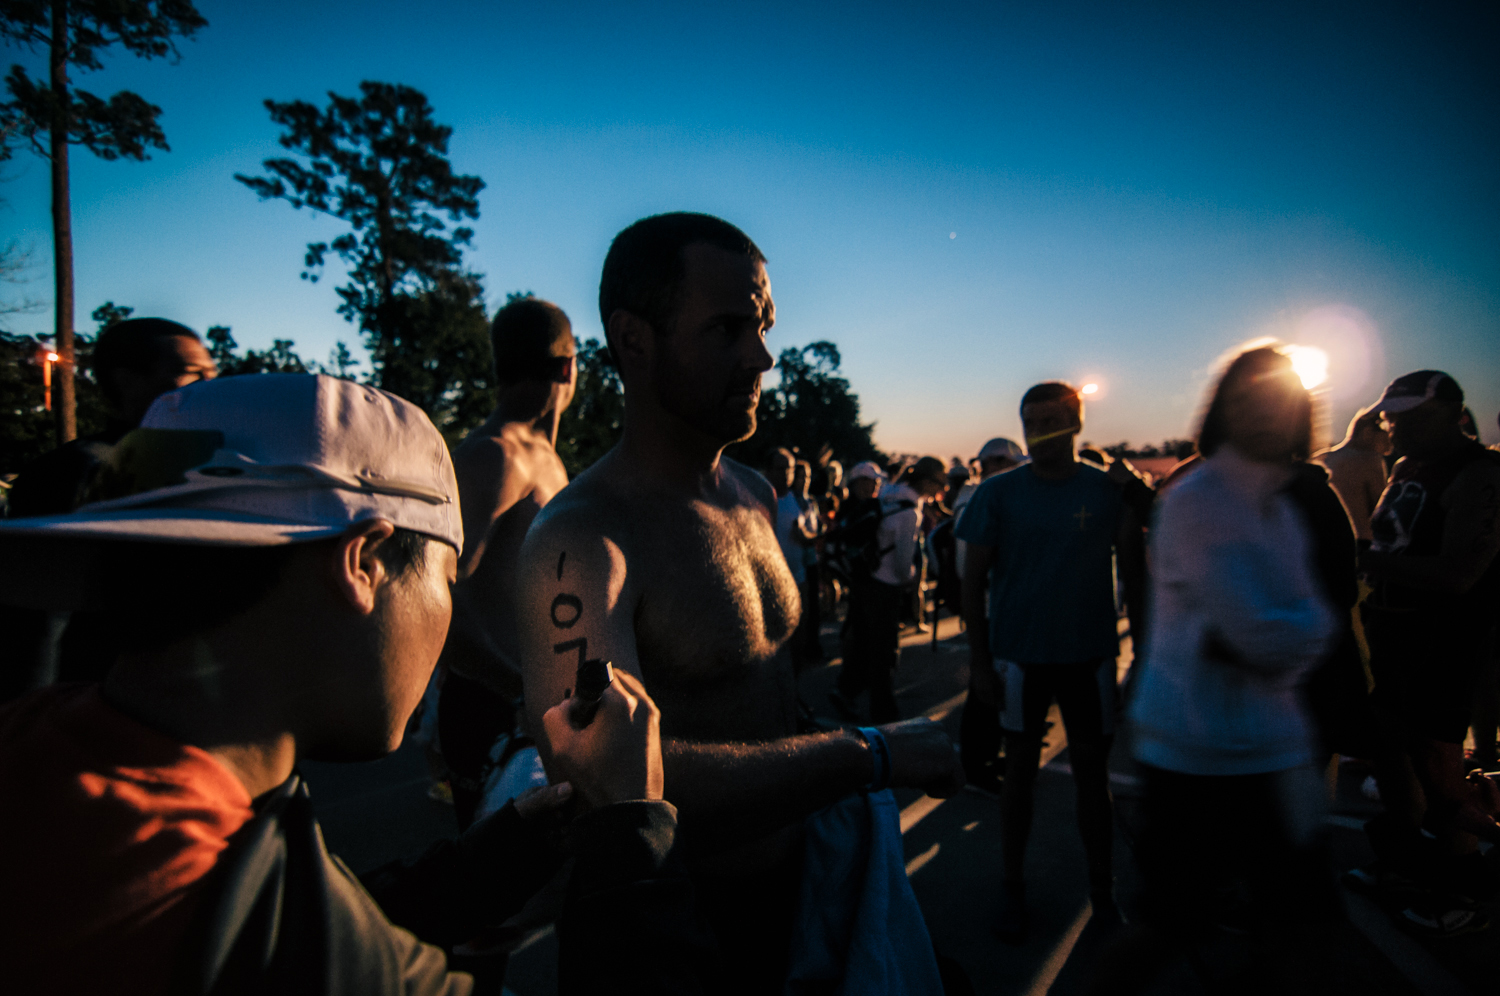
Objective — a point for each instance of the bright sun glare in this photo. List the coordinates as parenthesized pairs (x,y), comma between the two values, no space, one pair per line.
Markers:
(1310,364)
(1090,389)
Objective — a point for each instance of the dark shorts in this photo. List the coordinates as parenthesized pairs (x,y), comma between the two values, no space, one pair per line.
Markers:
(1209,842)
(1426,665)
(1085,693)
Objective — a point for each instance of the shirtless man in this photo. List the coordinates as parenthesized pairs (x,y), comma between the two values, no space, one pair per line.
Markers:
(507,470)
(662,558)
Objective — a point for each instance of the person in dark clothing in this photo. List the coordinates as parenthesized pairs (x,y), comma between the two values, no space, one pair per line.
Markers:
(277,573)
(1336,690)
(1429,619)
(134,362)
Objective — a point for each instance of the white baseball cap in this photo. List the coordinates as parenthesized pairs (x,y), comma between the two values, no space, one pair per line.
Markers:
(868,470)
(1001,447)
(267,459)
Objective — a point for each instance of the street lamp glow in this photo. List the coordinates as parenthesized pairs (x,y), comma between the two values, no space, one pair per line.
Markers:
(52,357)
(1089,389)
(1310,364)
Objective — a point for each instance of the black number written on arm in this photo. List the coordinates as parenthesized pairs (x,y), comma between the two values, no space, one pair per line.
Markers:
(566,610)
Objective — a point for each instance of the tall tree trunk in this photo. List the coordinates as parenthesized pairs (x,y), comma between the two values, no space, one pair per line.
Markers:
(65,403)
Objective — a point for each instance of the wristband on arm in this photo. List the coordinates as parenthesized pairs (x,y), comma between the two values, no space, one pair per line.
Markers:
(880,752)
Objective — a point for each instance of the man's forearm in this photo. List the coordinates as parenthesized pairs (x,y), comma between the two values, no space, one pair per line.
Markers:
(746,790)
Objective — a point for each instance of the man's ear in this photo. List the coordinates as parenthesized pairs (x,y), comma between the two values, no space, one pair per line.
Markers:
(629,336)
(357,573)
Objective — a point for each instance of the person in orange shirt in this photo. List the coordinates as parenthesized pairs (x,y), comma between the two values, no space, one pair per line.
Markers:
(274,554)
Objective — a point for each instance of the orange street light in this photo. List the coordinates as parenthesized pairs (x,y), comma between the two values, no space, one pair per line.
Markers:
(48,358)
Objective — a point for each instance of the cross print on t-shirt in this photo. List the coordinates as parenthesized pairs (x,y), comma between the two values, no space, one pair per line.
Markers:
(1082,515)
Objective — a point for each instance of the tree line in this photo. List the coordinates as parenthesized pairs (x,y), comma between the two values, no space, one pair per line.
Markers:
(376,161)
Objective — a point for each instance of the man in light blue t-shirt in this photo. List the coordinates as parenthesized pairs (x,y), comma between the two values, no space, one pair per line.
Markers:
(1045,537)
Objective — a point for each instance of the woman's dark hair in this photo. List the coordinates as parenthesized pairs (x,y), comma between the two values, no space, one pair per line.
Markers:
(1250,365)
(174,591)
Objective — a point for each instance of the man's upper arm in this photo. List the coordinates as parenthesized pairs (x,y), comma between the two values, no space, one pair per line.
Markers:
(1471,535)
(574,605)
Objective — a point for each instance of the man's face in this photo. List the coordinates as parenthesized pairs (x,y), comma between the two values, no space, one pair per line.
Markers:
(1432,425)
(180,360)
(863,488)
(415,610)
(1051,428)
(707,368)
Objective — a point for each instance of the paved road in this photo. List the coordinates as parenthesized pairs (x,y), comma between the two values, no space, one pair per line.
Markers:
(374,812)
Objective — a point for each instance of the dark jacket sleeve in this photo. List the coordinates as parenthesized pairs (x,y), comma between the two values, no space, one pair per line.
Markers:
(1140,496)
(629,923)
(458,886)
(1332,535)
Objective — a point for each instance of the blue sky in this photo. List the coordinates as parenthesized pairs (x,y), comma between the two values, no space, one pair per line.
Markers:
(965,198)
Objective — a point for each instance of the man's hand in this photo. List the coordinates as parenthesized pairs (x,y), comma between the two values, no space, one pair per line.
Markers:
(617,757)
(543,800)
(924,757)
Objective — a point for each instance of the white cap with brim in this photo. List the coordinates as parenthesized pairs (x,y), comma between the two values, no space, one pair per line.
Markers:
(1000,447)
(268,459)
(868,470)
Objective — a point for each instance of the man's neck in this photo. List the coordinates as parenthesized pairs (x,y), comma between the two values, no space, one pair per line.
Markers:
(541,424)
(1058,470)
(190,694)
(660,448)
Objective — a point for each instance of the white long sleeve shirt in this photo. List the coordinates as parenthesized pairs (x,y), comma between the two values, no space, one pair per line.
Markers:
(1232,567)
(899,533)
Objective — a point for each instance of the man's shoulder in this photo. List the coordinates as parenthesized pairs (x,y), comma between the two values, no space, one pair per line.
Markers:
(498,449)
(1094,477)
(752,483)
(1480,474)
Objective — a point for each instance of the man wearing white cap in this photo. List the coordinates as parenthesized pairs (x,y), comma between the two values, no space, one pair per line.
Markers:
(995,457)
(274,553)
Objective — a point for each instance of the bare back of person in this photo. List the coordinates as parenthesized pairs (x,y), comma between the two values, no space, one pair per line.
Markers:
(507,472)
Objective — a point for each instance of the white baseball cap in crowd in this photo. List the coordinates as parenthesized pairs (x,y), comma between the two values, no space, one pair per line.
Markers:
(263,460)
(1000,447)
(866,470)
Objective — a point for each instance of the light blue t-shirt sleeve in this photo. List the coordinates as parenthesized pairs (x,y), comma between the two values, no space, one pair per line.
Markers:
(980,521)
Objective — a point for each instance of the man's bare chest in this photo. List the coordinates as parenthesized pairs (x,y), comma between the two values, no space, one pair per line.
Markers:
(717,598)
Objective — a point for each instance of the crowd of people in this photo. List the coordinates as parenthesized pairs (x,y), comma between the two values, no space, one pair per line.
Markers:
(240,574)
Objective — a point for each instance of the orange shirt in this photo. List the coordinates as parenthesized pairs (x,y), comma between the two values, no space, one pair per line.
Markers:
(106,828)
